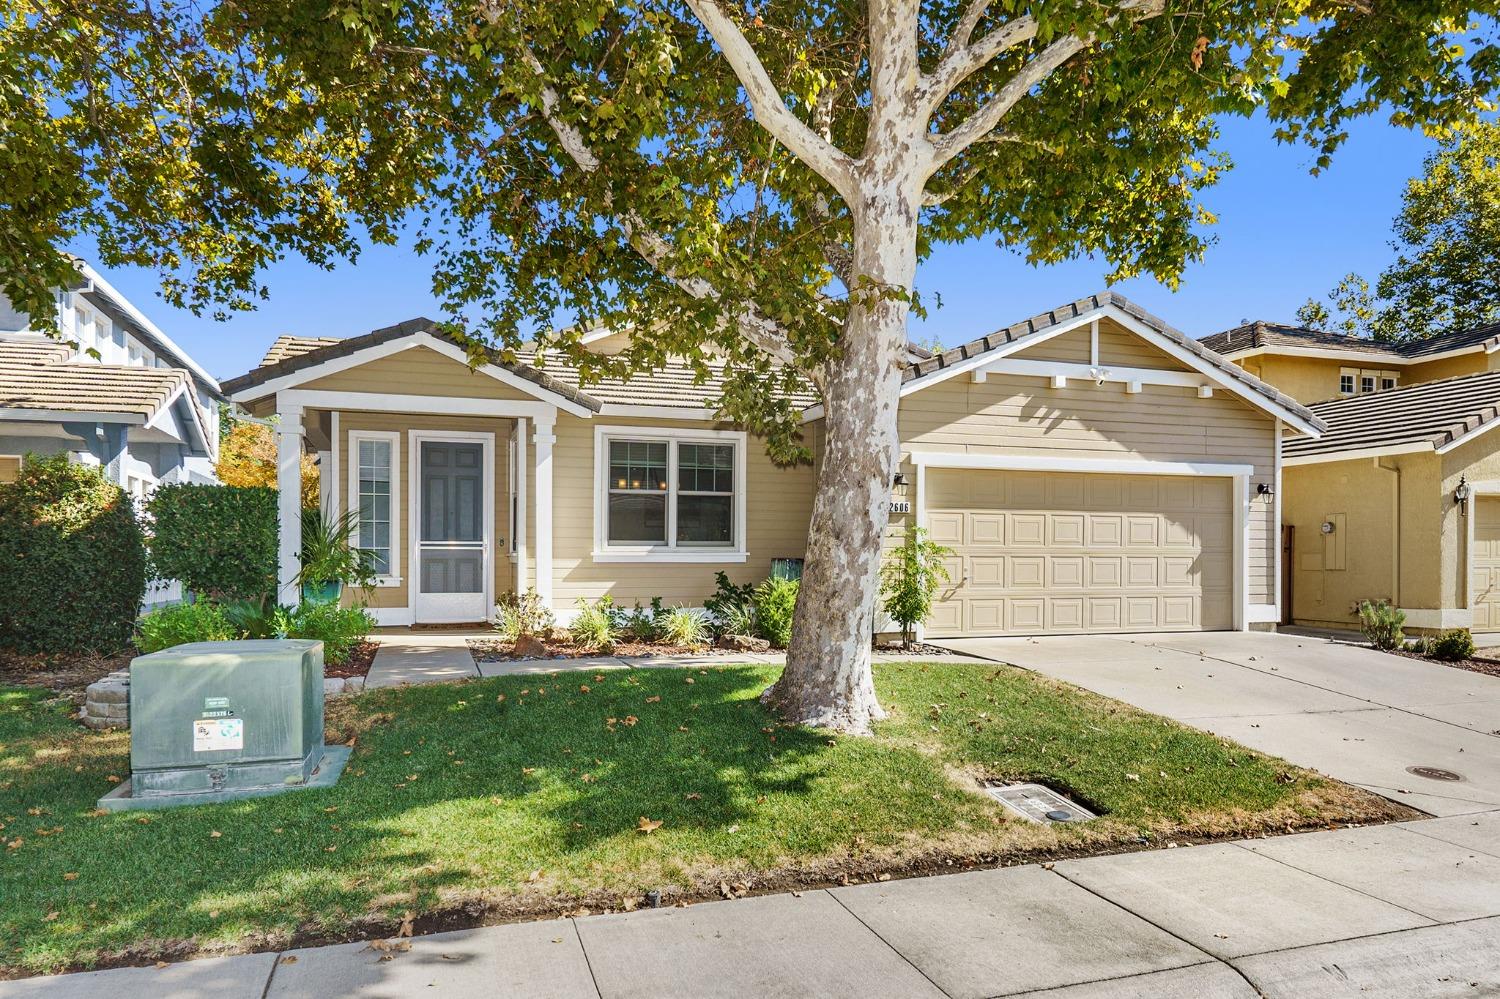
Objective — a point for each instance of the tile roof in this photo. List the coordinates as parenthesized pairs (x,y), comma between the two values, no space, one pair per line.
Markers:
(1436,413)
(1260,334)
(35,378)
(1044,321)
(287,346)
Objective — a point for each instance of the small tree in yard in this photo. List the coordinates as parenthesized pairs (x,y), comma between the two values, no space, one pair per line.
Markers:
(910,579)
(247,457)
(749,182)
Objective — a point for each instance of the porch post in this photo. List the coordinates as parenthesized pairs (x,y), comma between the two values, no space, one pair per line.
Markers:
(519,488)
(289,502)
(543,438)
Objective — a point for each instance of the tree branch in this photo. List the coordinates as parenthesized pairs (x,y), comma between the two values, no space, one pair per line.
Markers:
(964,30)
(652,246)
(1044,64)
(958,64)
(821,156)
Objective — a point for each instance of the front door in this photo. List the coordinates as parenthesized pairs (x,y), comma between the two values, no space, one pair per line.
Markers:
(453,549)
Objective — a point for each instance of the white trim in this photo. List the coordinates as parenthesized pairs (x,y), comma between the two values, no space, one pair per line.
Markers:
(1095,373)
(288,503)
(70,416)
(1276,526)
(426,405)
(1459,442)
(414,440)
(518,434)
(669,552)
(1238,474)
(1120,466)
(1338,354)
(543,436)
(392,617)
(333,472)
(375,352)
(1438,618)
(660,412)
(139,318)
(1419,447)
(398,499)
(1264,613)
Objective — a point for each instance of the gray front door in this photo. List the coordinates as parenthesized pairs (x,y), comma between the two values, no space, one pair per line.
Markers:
(452,549)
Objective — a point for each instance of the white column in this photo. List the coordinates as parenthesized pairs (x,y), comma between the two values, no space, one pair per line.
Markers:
(544,438)
(520,488)
(289,502)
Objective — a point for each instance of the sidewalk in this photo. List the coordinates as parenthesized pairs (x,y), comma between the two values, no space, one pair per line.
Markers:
(434,656)
(1401,911)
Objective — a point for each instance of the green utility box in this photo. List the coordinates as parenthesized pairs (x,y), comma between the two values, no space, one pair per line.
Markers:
(219,720)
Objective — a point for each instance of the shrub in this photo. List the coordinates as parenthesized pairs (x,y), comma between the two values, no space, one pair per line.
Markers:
(642,623)
(594,627)
(1452,645)
(775,603)
(684,626)
(738,621)
(340,629)
(1381,624)
(72,560)
(910,578)
(730,602)
(180,624)
(220,541)
(523,615)
(328,554)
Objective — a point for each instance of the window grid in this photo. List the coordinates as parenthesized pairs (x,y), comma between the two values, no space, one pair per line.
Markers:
(374,498)
(702,473)
(1346,384)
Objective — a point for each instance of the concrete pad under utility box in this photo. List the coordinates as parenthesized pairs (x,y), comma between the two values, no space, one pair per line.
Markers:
(764,947)
(516,961)
(212,978)
(1439,880)
(996,933)
(1231,902)
(1438,962)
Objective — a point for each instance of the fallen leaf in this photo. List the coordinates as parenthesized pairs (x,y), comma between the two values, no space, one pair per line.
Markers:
(687,679)
(289,959)
(162,964)
(692,796)
(653,699)
(1196,56)
(71,876)
(215,834)
(1132,776)
(408,919)
(534,876)
(49,917)
(648,826)
(583,688)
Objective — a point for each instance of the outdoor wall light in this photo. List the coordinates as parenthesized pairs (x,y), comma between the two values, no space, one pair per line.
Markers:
(1463,492)
(1264,489)
(899,479)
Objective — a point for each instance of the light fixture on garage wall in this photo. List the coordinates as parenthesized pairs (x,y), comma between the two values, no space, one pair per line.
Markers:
(1327,527)
(1265,489)
(899,479)
(1462,493)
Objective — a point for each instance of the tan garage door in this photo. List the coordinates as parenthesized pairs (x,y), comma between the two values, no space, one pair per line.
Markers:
(1065,552)
(1486,564)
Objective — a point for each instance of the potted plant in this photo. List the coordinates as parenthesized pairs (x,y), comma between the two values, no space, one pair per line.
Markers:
(329,560)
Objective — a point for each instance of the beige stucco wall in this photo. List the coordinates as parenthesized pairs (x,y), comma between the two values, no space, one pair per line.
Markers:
(1316,379)
(1449,367)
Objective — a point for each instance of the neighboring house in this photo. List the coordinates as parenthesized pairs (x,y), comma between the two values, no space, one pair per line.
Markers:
(1313,366)
(1400,499)
(1093,469)
(142,408)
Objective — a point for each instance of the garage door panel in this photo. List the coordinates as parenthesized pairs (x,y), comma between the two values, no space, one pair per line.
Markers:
(1485,564)
(1075,552)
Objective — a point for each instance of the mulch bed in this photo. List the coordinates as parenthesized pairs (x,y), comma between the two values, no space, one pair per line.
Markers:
(358,663)
(63,673)
(1489,667)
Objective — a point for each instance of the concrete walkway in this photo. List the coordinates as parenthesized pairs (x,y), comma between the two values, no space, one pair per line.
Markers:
(1365,717)
(409,655)
(1408,910)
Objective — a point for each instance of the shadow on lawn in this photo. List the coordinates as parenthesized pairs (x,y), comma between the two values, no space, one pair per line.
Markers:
(454,792)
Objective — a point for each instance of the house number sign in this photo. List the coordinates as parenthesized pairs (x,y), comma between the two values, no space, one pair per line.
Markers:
(900,506)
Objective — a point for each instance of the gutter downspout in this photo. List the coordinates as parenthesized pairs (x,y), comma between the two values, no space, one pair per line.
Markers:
(1395,470)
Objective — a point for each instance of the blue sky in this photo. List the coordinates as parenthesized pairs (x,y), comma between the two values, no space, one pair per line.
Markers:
(1283,235)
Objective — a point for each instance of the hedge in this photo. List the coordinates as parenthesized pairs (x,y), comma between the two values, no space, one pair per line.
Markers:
(220,541)
(72,560)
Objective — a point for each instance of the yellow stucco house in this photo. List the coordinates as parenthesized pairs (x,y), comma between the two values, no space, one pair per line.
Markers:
(1400,499)
(1093,469)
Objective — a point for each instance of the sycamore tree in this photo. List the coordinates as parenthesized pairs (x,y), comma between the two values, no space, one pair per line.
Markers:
(1447,239)
(747,185)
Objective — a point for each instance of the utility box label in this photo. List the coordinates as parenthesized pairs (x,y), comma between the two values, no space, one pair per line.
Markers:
(214,734)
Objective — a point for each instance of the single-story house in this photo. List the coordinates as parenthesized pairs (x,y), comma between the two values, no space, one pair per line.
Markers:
(138,405)
(1092,468)
(1314,365)
(1399,501)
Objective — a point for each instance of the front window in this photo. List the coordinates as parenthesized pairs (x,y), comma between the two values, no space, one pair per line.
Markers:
(374,485)
(667,495)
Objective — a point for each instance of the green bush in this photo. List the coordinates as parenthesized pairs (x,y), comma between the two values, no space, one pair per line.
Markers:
(523,615)
(179,624)
(329,554)
(1452,646)
(72,560)
(683,626)
(1381,624)
(775,603)
(910,578)
(220,541)
(730,606)
(641,623)
(594,626)
(340,629)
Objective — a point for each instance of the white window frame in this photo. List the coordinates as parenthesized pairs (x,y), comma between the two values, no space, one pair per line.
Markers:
(671,551)
(1374,381)
(393,438)
(1389,376)
(1353,377)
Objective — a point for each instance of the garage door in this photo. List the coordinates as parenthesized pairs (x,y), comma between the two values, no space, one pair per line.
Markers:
(1063,552)
(1486,564)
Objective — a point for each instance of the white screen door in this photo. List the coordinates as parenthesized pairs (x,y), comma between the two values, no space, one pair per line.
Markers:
(453,549)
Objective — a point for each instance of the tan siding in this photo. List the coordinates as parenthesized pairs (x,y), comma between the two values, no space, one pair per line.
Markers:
(1072,346)
(780,505)
(1019,415)
(418,371)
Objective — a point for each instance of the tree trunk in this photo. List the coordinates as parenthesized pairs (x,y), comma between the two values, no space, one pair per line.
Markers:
(827,681)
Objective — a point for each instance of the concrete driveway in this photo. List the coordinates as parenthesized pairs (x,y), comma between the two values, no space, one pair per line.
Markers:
(1362,716)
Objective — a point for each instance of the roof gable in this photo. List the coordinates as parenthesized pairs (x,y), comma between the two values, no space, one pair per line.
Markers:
(1280,337)
(1436,416)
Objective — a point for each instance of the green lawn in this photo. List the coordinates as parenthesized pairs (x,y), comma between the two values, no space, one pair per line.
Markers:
(523,795)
